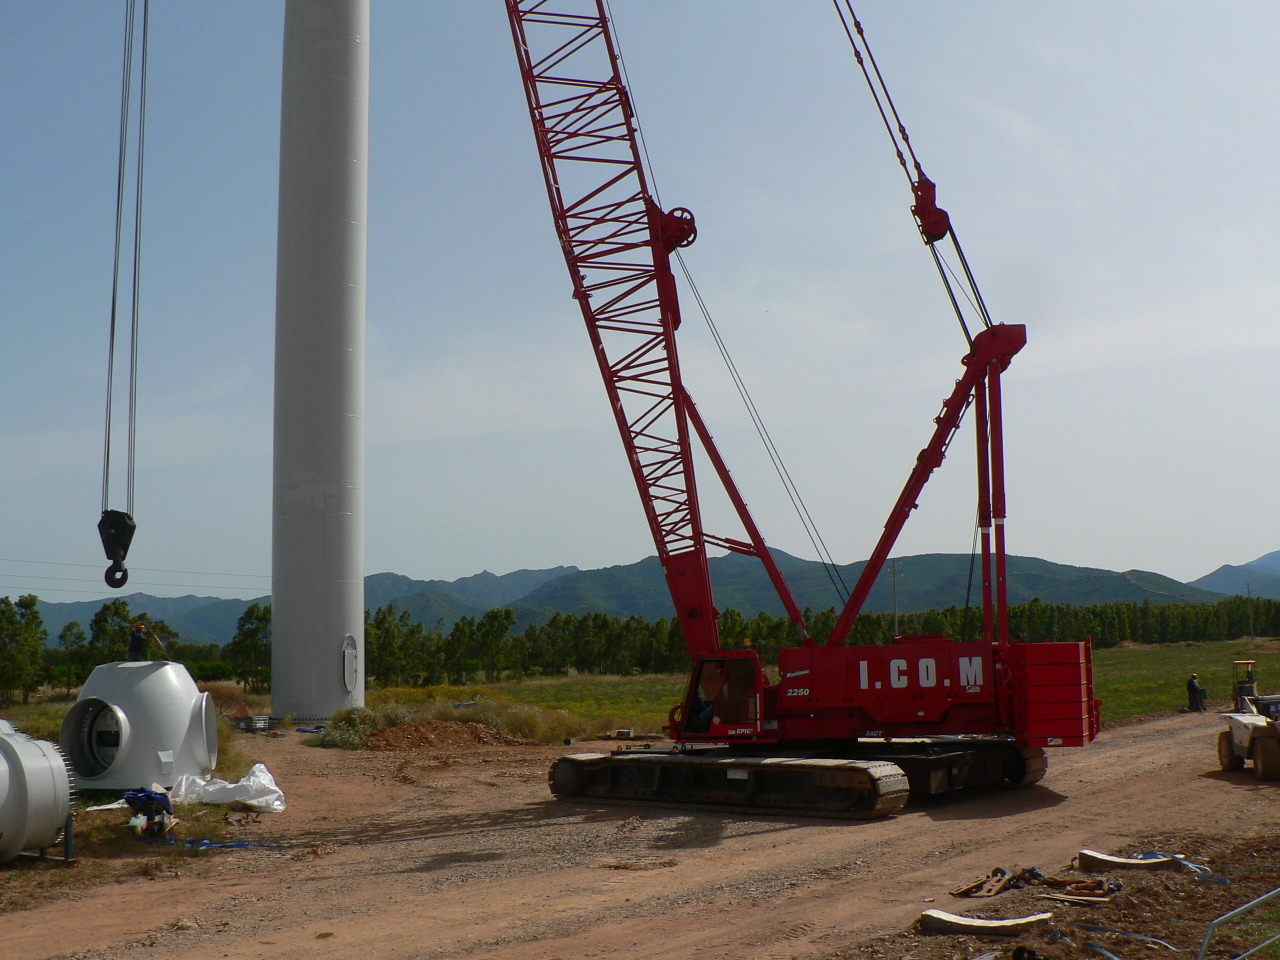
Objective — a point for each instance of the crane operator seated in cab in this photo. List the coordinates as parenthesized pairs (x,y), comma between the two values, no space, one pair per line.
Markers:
(702,705)
(725,693)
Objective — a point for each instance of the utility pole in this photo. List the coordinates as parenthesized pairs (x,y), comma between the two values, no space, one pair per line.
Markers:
(1248,592)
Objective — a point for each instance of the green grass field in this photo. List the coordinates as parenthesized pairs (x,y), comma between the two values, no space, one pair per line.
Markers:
(1130,682)
(1140,680)
(584,704)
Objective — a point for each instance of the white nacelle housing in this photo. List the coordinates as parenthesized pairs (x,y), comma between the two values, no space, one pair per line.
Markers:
(35,793)
(135,724)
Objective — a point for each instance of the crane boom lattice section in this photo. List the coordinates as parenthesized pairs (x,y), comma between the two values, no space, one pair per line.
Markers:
(616,242)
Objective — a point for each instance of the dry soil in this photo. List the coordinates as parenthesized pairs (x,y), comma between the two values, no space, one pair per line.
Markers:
(454,849)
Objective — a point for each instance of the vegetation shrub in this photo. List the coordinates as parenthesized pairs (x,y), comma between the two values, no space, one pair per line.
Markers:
(233,764)
(210,671)
(541,725)
(396,714)
(349,729)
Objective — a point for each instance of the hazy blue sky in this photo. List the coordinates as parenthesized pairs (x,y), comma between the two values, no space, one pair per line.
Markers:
(1109,165)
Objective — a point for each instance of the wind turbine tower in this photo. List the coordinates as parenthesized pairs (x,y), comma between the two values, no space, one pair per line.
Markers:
(317,553)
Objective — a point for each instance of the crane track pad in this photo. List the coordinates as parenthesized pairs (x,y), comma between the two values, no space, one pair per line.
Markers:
(848,789)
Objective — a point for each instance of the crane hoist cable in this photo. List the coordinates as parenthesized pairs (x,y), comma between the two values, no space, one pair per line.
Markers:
(933,221)
(116,527)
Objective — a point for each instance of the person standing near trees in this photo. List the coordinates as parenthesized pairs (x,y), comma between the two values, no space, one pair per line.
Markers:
(140,636)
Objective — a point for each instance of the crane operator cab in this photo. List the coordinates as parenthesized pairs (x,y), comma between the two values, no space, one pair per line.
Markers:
(723,698)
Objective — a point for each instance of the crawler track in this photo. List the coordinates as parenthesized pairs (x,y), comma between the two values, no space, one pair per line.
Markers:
(846,789)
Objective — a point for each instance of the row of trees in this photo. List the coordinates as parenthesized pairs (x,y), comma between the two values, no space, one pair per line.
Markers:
(400,651)
(28,663)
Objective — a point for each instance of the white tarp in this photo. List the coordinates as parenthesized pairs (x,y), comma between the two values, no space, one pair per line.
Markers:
(257,791)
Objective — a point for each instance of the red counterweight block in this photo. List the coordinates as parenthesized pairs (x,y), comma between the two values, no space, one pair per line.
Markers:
(1052,694)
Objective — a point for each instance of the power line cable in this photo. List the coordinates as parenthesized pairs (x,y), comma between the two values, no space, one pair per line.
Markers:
(92,566)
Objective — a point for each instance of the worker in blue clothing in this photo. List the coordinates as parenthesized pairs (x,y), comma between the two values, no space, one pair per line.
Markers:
(138,641)
(1196,695)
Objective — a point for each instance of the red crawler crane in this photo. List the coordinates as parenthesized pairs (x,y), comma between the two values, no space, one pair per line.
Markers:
(835,734)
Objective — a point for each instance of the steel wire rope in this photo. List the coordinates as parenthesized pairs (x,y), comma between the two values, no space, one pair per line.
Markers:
(645,162)
(878,87)
(943,265)
(137,256)
(793,493)
(775,456)
(875,93)
(126,101)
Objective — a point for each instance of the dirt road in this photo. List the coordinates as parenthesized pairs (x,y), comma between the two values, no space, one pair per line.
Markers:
(445,853)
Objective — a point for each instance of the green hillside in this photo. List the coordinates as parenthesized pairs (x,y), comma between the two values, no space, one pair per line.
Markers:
(926,582)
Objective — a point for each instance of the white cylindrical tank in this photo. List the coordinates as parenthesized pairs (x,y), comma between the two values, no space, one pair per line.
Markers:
(135,724)
(35,794)
(317,554)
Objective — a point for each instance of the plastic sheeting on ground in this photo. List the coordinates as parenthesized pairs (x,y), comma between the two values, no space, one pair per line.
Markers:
(256,791)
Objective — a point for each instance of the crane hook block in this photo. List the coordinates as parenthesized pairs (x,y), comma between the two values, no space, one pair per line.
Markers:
(116,530)
(678,228)
(934,222)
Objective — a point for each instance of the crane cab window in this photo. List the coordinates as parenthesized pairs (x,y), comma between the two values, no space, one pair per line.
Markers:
(725,692)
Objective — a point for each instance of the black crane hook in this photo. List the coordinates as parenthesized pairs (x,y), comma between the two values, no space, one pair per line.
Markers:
(116,529)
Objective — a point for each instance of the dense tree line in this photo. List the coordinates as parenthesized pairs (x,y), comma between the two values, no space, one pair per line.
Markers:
(70,662)
(400,651)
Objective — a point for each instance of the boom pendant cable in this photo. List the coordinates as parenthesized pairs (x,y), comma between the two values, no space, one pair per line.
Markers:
(775,457)
(116,527)
(933,221)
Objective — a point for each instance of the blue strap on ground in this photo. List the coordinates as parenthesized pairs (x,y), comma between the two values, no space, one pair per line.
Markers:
(206,844)
(210,845)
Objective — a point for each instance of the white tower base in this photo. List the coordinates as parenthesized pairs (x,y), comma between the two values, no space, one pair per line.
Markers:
(317,561)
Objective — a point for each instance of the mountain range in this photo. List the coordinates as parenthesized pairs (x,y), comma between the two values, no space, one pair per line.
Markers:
(1259,578)
(923,582)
